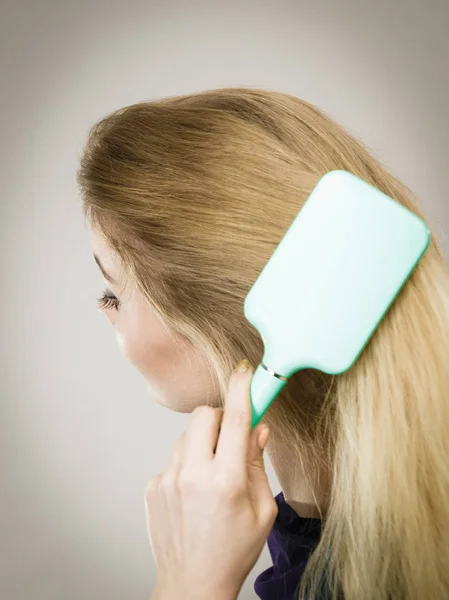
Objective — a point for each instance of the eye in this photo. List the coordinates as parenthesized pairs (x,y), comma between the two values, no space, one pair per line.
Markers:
(108,300)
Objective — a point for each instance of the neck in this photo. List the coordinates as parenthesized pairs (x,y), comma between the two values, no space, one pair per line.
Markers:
(306,492)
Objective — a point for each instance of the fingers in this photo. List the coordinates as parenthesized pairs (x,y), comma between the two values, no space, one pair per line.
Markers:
(221,435)
(201,435)
(233,443)
(199,440)
(176,458)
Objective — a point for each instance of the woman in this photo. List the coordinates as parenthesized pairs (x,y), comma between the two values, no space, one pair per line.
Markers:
(186,199)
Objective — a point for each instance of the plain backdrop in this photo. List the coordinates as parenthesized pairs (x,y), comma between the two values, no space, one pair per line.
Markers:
(79,437)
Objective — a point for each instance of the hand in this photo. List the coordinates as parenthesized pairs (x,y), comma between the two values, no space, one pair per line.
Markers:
(210,512)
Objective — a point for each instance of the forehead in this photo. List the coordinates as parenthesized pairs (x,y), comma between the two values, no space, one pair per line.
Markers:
(107,257)
(97,240)
(99,245)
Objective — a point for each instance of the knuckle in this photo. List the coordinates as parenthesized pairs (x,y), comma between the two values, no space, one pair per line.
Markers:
(187,481)
(227,486)
(237,418)
(204,411)
(151,487)
(168,481)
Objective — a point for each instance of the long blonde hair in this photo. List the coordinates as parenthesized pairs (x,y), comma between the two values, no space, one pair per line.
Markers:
(194,193)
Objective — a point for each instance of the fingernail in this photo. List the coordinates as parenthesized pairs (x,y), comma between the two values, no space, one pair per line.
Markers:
(243,366)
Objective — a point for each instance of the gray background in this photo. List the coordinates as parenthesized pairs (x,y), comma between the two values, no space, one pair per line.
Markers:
(79,438)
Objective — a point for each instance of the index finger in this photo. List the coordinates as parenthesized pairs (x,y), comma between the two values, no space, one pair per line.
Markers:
(233,440)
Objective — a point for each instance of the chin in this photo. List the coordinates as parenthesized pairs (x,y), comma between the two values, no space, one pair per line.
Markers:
(172,403)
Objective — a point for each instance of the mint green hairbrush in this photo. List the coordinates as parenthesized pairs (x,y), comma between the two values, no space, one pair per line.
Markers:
(330,281)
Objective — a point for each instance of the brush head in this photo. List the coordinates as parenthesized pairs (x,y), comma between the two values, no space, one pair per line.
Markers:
(331,280)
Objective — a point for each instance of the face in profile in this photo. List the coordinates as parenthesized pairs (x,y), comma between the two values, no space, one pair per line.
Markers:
(174,369)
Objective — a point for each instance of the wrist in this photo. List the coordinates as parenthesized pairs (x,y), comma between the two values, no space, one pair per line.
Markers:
(188,592)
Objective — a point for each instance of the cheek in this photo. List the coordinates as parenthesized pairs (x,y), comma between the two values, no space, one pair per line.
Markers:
(176,373)
(145,343)
(135,347)
(122,342)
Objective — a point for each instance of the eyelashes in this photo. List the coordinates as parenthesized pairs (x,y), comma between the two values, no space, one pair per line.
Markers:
(108,300)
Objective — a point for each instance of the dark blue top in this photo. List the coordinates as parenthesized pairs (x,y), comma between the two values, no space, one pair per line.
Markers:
(291,542)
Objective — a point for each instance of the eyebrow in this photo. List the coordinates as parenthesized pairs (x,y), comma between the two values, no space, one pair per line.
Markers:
(105,274)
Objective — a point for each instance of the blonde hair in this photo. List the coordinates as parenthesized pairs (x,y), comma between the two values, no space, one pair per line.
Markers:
(194,193)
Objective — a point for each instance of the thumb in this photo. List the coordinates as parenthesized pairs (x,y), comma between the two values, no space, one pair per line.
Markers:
(255,450)
(258,483)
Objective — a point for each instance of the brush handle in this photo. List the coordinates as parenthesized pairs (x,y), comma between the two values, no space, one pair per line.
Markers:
(264,388)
